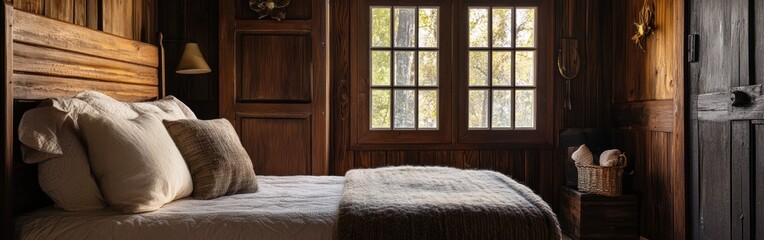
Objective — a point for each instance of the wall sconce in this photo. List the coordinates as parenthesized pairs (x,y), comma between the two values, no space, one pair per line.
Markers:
(192,61)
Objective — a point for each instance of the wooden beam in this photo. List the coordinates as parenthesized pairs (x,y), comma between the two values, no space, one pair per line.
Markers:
(651,115)
(718,106)
(53,62)
(36,87)
(34,30)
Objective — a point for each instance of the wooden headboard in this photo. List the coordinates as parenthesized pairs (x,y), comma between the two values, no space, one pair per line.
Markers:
(45,58)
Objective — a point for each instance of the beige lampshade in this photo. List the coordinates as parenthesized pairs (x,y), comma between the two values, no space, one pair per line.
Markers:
(192,61)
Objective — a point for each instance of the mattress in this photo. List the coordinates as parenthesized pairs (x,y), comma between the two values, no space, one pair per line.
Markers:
(294,207)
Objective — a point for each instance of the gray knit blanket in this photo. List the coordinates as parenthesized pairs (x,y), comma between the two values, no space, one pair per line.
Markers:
(440,203)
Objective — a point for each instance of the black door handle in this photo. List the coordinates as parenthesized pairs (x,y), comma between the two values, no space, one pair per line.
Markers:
(740,99)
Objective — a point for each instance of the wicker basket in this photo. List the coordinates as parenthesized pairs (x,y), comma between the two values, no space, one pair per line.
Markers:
(601,180)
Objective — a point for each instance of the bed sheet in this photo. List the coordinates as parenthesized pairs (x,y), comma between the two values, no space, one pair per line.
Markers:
(291,207)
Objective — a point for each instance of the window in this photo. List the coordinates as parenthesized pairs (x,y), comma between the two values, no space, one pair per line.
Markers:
(427,76)
(501,82)
(404,68)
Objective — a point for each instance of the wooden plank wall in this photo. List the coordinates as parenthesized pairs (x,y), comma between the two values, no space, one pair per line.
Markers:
(197,21)
(132,19)
(648,113)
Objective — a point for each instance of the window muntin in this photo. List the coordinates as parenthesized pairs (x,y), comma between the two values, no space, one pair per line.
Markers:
(501,68)
(404,68)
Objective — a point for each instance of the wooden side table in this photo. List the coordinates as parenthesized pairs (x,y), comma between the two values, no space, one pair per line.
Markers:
(590,216)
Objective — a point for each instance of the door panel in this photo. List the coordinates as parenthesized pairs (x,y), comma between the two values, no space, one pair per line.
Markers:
(740,179)
(275,68)
(705,21)
(715,180)
(726,112)
(278,145)
(758,179)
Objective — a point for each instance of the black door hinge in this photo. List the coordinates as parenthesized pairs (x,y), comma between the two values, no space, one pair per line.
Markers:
(692,47)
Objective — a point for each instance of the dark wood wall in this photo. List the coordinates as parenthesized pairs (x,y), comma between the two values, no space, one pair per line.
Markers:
(648,116)
(132,19)
(181,21)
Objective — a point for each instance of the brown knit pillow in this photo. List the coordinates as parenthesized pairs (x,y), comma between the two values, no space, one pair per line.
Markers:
(218,163)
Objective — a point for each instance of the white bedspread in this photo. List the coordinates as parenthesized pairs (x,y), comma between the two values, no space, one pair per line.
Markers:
(295,207)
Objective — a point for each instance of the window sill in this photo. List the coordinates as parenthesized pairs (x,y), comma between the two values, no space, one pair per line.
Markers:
(453,147)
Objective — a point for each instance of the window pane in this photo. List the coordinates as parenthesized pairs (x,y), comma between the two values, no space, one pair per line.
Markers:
(478,72)
(405,108)
(526,25)
(428,109)
(428,68)
(525,111)
(380,27)
(404,68)
(502,109)
(502,68)
(380,68)
(404,22)
(478,28)
(380,109)
(478,109)
(525,69)
(428,27)
(502,27)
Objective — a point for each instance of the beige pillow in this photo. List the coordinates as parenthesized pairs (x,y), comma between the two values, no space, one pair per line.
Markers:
(137,166)
(218,163)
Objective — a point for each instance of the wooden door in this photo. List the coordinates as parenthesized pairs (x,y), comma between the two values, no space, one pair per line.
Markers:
(726,127)
(273,86)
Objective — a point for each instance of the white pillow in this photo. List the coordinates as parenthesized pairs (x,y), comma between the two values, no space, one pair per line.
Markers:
(51,138)
(135,162)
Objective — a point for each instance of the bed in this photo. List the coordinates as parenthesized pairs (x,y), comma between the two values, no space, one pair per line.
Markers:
(45,58)
(299,207)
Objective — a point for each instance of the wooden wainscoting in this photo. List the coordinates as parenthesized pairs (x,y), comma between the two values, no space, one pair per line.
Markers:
(273,86)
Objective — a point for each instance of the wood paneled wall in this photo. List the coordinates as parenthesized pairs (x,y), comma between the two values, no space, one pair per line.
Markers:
(648,116)
(589,23)
(132,19)
(197,21)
